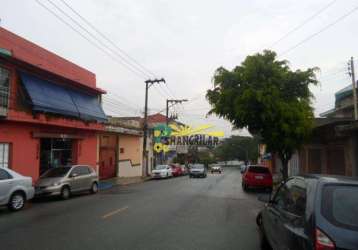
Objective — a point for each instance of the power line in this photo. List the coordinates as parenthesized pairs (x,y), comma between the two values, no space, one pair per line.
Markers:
(86,38)
(129,60)
(124,100)
(303,23)
(320,31)
(107,39)
(128,64)
(93,43)
(120,104)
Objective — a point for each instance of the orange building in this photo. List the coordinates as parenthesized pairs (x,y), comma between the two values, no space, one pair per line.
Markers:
(50,109)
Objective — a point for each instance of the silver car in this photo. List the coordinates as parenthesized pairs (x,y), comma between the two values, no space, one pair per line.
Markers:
(15,189)
(64,181)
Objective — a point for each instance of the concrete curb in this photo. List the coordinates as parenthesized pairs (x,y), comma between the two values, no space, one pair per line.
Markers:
(108,184)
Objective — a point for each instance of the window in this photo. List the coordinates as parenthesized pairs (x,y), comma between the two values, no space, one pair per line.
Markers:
(4,88)
(84,170)
(56,172)
(340,205)
(4,175)
(282,196)
(81,170)
(4,155)
(291,197)
(298,196)
(259,170)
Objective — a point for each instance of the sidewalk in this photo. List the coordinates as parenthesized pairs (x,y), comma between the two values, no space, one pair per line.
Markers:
(121,181)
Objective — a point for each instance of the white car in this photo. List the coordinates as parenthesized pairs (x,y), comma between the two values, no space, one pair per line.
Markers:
(216,168)
(15,189)
(162,171)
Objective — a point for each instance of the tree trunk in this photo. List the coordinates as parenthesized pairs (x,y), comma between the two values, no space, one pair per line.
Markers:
(284,169)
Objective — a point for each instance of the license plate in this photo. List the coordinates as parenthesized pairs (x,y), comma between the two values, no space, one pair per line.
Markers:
(259,177)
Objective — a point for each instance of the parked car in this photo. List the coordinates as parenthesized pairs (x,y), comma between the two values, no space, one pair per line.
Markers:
(216,168)
(15,189)
(256,176)
(197,170)
(162,171)
(311,212)
(176,170)
(184,169)
(64,181)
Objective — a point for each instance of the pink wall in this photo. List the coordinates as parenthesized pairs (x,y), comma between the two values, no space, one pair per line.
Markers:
(25,150)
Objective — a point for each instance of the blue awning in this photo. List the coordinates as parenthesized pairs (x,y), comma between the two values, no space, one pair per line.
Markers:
(52,98)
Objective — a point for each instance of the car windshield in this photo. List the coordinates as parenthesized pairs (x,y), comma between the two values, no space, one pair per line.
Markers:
(159,167)
(340,205)
(197,166)
(56,172)
(258,170)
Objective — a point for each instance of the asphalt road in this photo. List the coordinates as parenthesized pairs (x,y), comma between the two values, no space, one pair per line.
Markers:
(178,213)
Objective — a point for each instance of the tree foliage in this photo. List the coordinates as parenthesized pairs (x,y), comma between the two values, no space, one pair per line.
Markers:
(266,96)
(237,148)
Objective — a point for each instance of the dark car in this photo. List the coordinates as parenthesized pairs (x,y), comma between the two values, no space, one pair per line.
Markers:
(311,212)
(197,170)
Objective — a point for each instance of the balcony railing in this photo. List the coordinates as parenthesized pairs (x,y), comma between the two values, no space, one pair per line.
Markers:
(4,100)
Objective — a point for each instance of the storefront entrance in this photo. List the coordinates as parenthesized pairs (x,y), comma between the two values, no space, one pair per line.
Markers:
(55,152)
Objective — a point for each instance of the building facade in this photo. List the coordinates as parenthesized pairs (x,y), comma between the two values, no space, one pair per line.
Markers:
(121,148)
(50,111)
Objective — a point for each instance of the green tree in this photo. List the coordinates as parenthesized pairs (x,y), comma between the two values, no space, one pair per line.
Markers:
(238,148)
(273,101)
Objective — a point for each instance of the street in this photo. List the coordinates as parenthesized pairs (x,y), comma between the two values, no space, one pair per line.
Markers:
(177,213)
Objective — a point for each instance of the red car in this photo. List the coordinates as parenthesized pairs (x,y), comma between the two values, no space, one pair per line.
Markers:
(256,176)
(176,170)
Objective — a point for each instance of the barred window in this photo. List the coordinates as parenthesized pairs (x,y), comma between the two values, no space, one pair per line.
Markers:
(4,155)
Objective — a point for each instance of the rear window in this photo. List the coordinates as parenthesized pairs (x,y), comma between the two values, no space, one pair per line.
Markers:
(340,205)
(197,166)
(258,169)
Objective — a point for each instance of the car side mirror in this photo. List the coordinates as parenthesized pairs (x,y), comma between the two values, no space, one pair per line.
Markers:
(266,198)
(73,175)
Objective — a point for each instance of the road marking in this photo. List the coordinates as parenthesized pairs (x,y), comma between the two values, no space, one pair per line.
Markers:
(114,212)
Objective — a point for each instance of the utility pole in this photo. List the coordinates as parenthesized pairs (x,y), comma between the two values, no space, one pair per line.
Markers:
(148,84)
(354,88)
(173,101)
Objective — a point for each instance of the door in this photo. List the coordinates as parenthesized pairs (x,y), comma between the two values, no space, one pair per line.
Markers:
(77,179)
(107,156)
(6,183)
(271,218)
(87,177)
(287,216)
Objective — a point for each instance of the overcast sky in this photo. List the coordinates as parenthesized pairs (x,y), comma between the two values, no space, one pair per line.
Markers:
(185,41)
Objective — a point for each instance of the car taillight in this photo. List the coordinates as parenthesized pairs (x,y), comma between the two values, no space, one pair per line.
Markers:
(323,242)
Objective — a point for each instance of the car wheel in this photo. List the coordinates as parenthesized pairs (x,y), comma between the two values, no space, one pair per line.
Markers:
(65,193)
(244,187)
(94,188)
(259,220)
(17,201)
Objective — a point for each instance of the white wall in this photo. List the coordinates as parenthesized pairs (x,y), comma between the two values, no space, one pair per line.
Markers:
(125,169)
